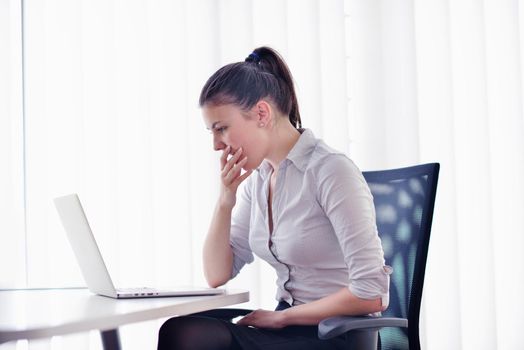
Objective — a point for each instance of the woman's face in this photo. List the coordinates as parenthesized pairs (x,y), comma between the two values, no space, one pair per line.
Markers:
(230,126)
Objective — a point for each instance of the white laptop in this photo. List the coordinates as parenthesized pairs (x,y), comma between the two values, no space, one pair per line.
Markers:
(90,259)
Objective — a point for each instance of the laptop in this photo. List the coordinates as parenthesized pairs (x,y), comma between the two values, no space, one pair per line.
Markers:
(92,264)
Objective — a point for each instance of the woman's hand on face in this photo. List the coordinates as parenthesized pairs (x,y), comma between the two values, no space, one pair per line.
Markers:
(231,176)
(263,319)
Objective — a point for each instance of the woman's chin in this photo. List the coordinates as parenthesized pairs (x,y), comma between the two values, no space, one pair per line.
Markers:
(248,167)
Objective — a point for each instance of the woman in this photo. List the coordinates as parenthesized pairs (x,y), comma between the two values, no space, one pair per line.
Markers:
(304,208)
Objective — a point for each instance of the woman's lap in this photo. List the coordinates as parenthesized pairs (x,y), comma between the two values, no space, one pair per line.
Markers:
(208,331)
(289,338)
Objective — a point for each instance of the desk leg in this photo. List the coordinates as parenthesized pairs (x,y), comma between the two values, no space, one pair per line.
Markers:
(110,339)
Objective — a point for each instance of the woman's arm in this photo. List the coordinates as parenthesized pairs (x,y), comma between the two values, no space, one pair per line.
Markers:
(218,254)
(340,303)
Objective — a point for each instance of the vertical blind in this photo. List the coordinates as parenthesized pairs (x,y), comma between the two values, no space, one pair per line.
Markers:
(108,109)
(12,228)
(100,98)
(434,80)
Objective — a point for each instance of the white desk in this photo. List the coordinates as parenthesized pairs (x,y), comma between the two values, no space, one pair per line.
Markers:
(30,314)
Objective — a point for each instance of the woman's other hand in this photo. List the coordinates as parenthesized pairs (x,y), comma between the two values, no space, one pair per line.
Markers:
(264,319)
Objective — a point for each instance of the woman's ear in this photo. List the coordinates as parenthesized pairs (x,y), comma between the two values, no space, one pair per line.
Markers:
(264,113)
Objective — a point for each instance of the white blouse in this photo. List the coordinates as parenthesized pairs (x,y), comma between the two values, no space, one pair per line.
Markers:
(324,229)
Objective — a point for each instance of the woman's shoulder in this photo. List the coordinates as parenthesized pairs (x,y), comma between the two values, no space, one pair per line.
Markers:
(326,159)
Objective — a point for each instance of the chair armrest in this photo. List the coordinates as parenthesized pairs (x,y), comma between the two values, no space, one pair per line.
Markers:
(335,326)
(223,314)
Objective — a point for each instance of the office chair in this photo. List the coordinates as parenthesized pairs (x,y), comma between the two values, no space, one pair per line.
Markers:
(404,200)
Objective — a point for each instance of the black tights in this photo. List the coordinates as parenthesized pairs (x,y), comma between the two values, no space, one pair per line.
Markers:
(195,333)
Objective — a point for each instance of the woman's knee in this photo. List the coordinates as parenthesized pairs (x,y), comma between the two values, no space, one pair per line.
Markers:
(170,325)
(193,332)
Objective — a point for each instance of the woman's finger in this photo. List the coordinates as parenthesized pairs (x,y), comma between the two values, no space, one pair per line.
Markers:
(223,157)
(231,162)
(246,319)
(235,170)
(241,178)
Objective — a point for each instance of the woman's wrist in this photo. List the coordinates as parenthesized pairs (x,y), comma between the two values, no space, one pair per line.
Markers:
(226,203)
(283,318)
(227,199)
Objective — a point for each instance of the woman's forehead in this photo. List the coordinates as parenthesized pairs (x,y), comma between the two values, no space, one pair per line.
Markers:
(225,112)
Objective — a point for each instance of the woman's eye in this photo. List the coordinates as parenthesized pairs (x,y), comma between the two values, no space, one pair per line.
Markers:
(219,130)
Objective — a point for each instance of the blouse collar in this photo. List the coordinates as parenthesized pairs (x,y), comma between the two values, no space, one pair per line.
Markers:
(298,155)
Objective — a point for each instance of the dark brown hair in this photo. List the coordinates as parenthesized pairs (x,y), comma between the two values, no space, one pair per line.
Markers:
(263,74)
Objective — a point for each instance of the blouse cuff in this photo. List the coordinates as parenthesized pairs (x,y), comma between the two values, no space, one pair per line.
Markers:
(374,287)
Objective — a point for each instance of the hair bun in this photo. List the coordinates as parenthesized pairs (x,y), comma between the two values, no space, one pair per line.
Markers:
(253,57)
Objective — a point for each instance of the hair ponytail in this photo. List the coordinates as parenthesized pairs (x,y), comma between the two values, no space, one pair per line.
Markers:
(271,61)
(264,73)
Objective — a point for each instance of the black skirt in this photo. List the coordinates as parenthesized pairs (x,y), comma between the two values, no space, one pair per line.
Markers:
(288,338)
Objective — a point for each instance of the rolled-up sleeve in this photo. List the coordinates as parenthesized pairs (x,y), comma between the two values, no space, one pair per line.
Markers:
(239,234)
(348,203)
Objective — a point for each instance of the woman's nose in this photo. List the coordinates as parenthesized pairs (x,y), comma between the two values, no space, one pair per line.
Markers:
(218,145)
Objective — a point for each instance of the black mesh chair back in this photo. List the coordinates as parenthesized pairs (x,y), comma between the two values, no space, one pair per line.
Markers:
(404,200)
